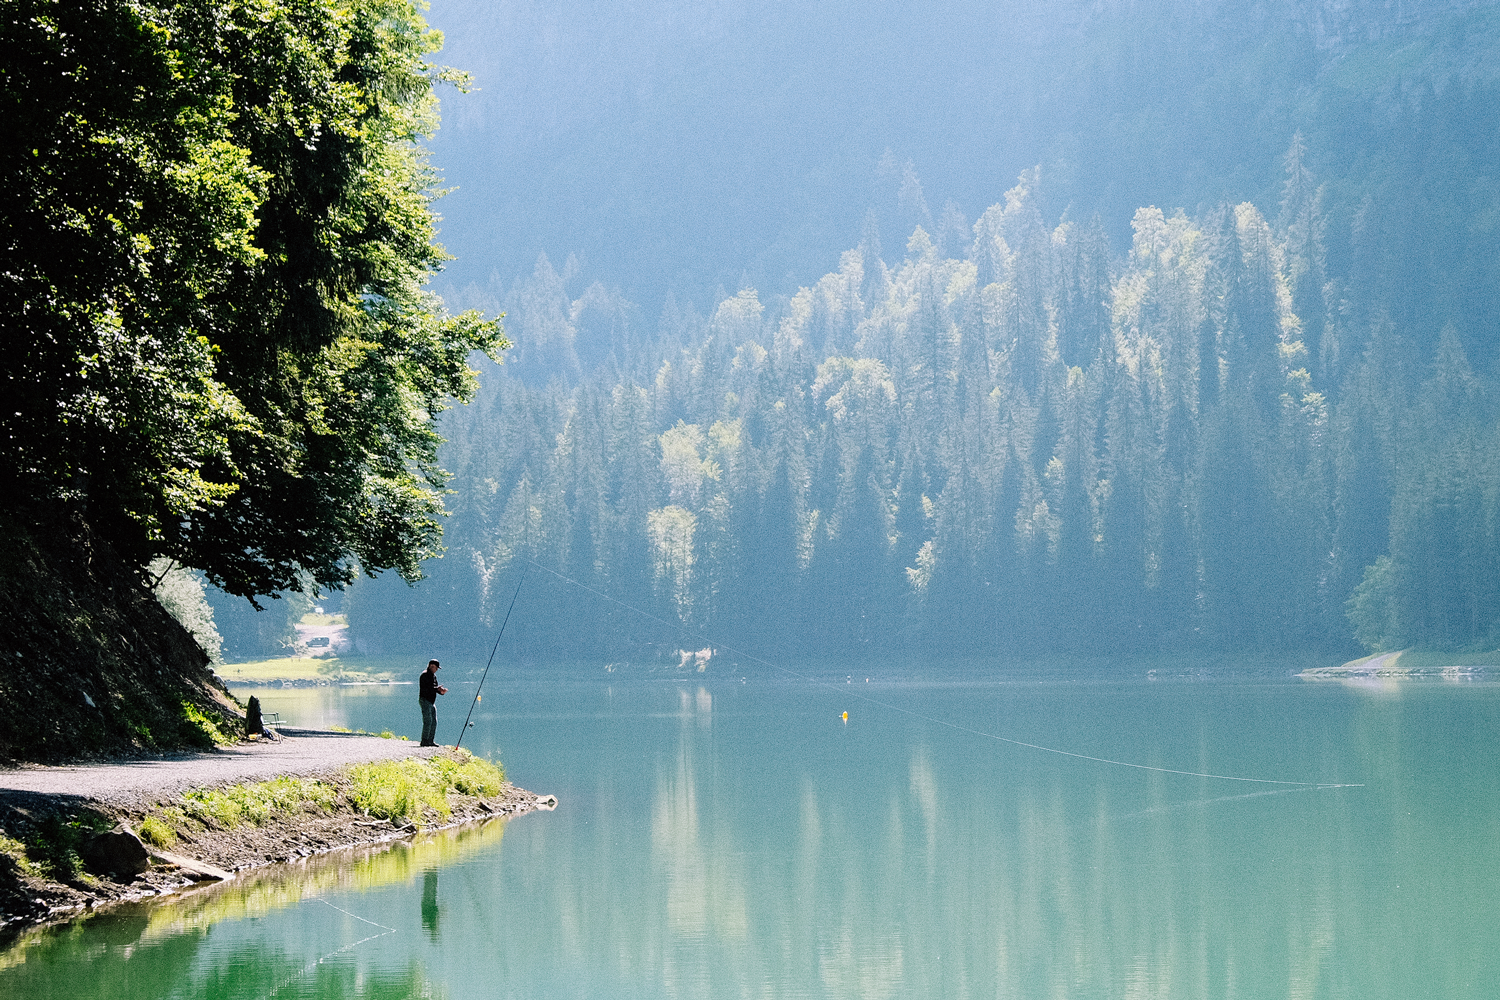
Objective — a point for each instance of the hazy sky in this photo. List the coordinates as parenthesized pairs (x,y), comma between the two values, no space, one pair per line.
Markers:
(693,145)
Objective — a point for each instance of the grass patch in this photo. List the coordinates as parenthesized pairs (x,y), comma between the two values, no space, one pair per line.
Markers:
(289,668)
(157,832)
(53,843)
(314,668)
(16,851)
(255,802)
(313,618)
(397,790)
(469,774)
(202,729)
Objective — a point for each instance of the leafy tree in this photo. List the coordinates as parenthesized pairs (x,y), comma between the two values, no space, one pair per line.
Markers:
(218,228)
(180,591)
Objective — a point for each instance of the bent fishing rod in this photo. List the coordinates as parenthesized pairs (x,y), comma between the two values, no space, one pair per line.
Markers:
(493,649)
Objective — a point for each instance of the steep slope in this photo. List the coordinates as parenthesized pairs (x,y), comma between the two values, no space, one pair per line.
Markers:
(91,664)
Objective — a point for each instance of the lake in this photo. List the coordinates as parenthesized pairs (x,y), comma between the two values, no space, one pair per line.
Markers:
(731,835)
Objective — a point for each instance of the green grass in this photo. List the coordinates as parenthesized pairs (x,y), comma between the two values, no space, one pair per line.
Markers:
(16,851)
(397,790)
(313,618)
(309,668)
(290,668)
(157,832)
(256,802)
(202,729)
(1426,659)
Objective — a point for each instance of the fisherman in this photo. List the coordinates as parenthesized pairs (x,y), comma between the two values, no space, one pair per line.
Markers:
(427,691)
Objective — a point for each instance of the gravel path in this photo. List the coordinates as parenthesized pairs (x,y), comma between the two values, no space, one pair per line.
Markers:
(299,752)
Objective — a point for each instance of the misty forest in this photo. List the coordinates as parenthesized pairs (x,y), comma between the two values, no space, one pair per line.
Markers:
(1196,355)
(1011,437)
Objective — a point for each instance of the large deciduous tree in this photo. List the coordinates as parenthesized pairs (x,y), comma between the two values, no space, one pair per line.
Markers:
(214,241)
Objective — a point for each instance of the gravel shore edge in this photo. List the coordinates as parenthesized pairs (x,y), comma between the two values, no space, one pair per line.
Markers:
(41,801)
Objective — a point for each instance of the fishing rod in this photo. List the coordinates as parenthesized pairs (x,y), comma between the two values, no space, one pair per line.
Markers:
(493,649)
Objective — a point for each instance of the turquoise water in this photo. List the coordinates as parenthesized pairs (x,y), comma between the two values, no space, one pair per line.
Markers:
(734,837)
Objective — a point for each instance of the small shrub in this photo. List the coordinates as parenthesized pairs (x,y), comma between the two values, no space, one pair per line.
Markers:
(340,729)
(201,729)
(399,789)
(16,851)
(156,831)
(469,774)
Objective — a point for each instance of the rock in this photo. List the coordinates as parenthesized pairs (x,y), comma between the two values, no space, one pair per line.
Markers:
(118,853)
(197,868)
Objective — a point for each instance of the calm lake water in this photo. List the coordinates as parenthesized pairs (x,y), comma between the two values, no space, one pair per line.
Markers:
(735,837)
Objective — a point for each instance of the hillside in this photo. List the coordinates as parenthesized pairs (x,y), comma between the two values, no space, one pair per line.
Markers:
(94,665)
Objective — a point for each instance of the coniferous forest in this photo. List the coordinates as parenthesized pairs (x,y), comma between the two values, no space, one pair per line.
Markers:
(1014,438)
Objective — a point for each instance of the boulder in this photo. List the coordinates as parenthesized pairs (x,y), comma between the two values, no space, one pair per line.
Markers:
(118,853)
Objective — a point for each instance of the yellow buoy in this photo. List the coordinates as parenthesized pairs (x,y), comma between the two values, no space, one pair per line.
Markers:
(846,718)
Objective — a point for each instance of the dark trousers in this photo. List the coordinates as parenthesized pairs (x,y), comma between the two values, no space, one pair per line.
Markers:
(429,722)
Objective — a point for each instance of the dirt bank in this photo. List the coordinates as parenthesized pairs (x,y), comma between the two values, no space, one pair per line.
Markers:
(76,838)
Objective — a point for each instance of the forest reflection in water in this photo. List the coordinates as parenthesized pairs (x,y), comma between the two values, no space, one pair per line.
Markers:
(714,840)
(159,949)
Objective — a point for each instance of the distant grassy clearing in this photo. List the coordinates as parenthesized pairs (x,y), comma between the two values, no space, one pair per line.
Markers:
(328,669)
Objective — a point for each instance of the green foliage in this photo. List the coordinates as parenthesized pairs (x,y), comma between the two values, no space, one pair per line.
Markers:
(180,591)
(203,729)
(221,229)
(1373,610)
(403,789)
(256,802)
(16,851)
(399,789)
(252,633)
(52,843)
(158,832)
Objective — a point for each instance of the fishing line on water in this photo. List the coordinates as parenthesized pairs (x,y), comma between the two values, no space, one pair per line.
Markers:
(851,693)
(310,966)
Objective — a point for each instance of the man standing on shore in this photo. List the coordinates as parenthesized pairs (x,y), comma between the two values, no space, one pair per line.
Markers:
(427,691)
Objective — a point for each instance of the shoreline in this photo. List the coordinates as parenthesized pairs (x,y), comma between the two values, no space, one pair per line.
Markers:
(1408,663)
(31,895)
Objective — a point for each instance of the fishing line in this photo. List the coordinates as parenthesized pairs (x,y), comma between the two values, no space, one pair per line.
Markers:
(849,692)
(384,930)
(493,648)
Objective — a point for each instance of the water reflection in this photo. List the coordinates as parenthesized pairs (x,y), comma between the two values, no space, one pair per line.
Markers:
(166,949)
(430,903)
(723,842)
